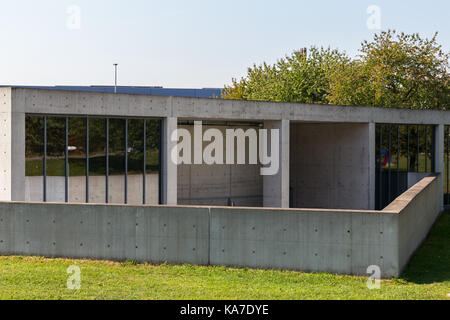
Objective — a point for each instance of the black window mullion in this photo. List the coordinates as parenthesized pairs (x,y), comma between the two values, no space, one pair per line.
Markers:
(408,165)
(426,149)
(433,149)
(418,148)
(126,162)
(448,160)
(144,165)
(87,160)
(66,169)
(107,162)
(44,196)
(389,155)
(160,165)
(398,160)
(380,173)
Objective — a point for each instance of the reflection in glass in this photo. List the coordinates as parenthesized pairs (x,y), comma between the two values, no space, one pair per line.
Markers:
(97,160)
(116,180)
(56,159)
(401,150)
(447,164)
(34,158)
(135,161)
(152,165)
(77,160)
(429,149)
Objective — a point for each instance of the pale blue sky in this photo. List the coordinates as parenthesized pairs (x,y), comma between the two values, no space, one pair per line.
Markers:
(190,43)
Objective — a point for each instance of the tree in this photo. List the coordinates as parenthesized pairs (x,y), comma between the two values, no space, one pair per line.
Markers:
(393,70)
(296,78)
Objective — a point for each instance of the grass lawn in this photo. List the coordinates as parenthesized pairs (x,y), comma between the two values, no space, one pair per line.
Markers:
(428,277)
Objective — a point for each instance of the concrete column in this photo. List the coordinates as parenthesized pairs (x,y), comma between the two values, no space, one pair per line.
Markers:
(12,150)
(276,187)
(169,168)
(439,141)
(371,161)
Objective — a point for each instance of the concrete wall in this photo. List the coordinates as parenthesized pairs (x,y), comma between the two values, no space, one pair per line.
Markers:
(336,241)
(276,187)
(155,234)
(168,166)
(309,240)
(5,144)
(331,166)
(12,148)
(419,207)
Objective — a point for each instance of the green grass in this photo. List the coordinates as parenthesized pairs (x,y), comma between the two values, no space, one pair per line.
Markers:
(427,277)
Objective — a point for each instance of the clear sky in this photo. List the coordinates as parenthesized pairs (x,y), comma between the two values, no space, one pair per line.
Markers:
(186,43)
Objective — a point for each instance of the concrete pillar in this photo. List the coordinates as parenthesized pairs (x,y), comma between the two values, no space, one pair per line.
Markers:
(276,187)
(439,141)
(12,150)
(371,161)
(169,168)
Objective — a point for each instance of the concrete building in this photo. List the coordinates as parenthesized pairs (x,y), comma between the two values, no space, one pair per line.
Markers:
(352,185)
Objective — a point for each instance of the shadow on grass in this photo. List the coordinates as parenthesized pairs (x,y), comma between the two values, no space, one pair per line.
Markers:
(431,263)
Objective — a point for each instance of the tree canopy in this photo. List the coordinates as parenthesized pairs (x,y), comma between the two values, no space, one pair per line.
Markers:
(393,70)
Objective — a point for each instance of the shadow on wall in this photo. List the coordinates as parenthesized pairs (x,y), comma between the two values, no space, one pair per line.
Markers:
(431,262)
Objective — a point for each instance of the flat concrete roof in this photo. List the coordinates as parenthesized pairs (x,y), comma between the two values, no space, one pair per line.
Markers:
(61,102)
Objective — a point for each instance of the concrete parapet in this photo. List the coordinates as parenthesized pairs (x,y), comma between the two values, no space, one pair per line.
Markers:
(315,240)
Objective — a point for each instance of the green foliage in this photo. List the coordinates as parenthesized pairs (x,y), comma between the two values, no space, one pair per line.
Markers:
(393,70)
(295,78)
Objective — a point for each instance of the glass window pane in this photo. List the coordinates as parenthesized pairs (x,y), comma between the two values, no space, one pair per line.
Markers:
(421,153)
(396,147)
(152,161)
(116,180)
(135,161)
(97,160)
(34,158)
(447,165)
(77,160)
(403,163)
(56,159)
(429,154)
(413,148)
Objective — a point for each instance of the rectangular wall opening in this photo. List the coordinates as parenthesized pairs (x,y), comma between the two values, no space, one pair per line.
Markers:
(220,184)
(329,166)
